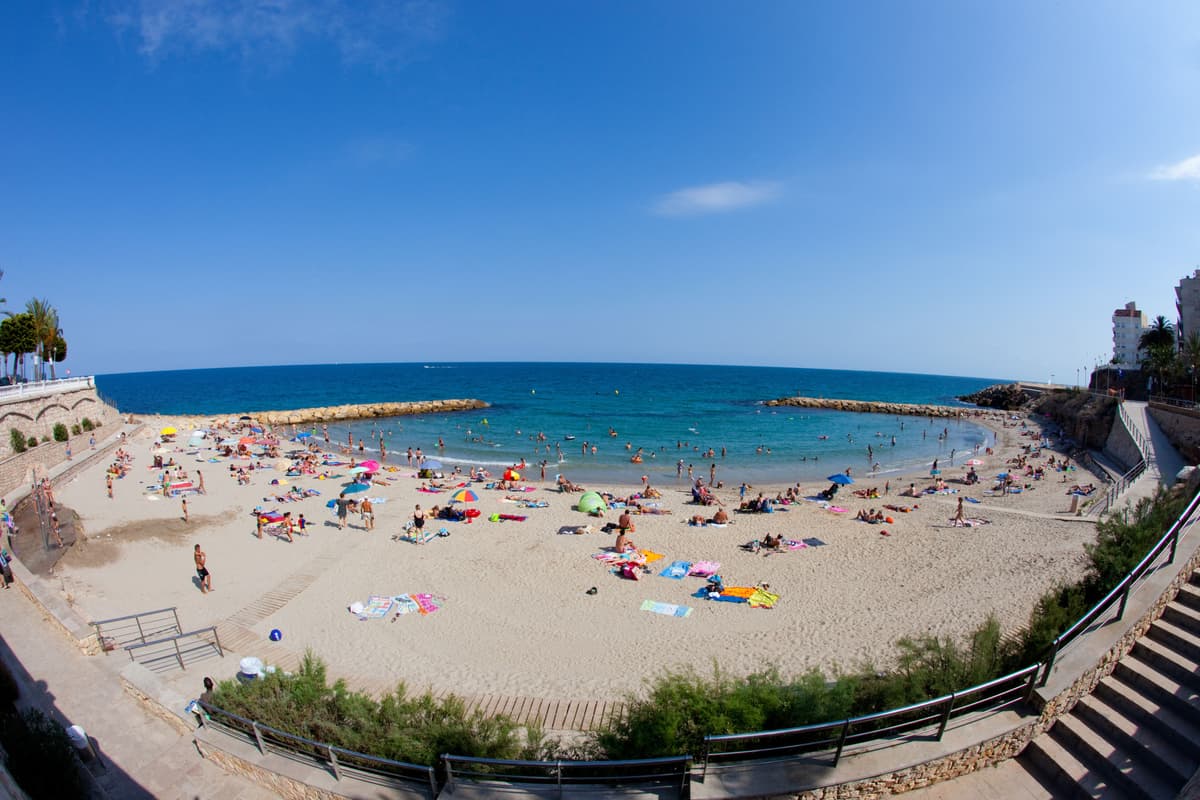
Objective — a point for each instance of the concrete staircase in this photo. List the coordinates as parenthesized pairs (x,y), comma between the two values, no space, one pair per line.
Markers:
(1138,734)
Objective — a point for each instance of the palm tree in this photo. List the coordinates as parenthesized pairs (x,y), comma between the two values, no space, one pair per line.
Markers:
(1160,333)
(45,329)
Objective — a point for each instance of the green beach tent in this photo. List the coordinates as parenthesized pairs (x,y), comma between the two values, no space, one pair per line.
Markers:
(590,501)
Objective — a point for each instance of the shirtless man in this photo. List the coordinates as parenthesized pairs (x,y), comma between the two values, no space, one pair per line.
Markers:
(202,570)
(624,522)
(367,510)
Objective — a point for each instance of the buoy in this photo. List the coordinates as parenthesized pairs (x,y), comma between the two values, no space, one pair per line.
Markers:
(276,634)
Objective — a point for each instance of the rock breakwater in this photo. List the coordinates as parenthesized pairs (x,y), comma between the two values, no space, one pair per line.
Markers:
(873,407)
(300,416)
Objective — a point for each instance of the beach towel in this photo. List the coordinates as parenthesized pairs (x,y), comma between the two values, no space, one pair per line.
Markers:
(703,569)
(430,491)
(377,606)
(836,509)
(649,556)
(705,593)
(761,598)
(667,609)
(676,570)
(411,535)
(792,544)
(814,542)
(405,605)
(425,603)
(970,499)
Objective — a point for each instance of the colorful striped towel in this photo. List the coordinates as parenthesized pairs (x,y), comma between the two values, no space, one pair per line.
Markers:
(425,601)
(676,570)
(424,537)
(667,609)
(377,607)
(405,605)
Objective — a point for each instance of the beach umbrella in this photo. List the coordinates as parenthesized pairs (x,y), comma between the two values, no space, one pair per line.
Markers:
(357,470)
(246,440)
(228,442)
(1002,475)
(244,418)
(302,436)
(431,463)
(370,465)
(591,501)
(935,472)
(168,431)
(841,479)
(512,475)
(464,496)
(351,488)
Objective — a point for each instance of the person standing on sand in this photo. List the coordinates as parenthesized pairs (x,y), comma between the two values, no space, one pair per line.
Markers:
(259,520)
(200,477)
(418,520)
(202,570)
(185,513)
(108,485)
(367,511)
(343,508)
(959,517)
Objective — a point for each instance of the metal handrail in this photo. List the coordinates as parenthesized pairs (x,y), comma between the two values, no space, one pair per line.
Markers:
(42,388)
(669,770)
(129,648)
(137,619)
(1121,590)
(400,770)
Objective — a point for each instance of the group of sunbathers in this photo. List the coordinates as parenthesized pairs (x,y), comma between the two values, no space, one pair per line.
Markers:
(871,516)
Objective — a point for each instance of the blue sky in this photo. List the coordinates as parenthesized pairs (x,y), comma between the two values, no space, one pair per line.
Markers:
(938,187)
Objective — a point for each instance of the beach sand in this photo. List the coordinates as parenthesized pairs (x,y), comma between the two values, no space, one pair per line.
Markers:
(515,616)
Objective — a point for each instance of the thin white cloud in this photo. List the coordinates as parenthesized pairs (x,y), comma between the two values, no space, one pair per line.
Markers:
(1186,170)
(716,198)
(378,151)
(379,33)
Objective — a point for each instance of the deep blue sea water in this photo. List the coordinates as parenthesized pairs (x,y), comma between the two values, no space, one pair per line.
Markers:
(671,411)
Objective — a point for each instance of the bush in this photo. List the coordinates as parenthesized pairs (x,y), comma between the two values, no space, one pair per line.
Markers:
(16,440)
(60,432)
(86,424)
(76,430)
(403,728)
(40,756)
(32,442)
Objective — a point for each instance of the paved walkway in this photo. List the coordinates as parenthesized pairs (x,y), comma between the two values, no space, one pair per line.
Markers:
(145,756)
(1163,462)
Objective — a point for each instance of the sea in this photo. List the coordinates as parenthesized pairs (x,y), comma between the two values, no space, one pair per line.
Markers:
(587,421)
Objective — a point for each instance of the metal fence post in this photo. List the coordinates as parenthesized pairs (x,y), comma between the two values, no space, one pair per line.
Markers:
(704,751)
(946,716)
(1174,543)
(141,633)
(837,754)
(1032,685)
(1049,662)
(258,738)
(218,641)
(1124,600)
(333,762)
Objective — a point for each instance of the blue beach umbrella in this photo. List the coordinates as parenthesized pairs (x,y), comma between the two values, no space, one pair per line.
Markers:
(351,488)
(431,463)
(841,479)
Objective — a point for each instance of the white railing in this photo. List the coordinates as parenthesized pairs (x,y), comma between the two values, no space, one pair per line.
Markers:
(25,391)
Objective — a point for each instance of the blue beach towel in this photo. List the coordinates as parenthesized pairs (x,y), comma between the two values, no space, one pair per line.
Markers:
(676,570)
(667,609)
(970,499)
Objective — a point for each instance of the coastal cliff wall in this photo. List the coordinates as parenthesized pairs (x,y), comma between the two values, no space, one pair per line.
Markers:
(301,416)
(1182,427)
(873,407)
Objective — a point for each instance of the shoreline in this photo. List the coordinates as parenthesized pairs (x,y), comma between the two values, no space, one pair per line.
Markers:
(513,588)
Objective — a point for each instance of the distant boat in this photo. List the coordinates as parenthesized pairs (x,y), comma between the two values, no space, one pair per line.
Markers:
(570,437)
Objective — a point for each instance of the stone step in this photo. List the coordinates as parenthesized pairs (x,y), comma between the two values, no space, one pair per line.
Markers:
(1184,617)
(1173,763)
(1122,769)
(1170,663)
(1194,578)
(1055,766)
(1189,595)
(1175,638)
(1163,720)
(1158,687)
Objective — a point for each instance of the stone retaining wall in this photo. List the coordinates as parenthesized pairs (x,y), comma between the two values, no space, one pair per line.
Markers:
(873,407)
(1182,427)
(37,416)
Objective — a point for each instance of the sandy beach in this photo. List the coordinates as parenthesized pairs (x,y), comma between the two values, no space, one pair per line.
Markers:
(514,613)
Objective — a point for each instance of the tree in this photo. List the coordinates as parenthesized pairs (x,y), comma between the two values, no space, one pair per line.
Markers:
(45,329)
(16,339)
(1160,358)
(1160,333)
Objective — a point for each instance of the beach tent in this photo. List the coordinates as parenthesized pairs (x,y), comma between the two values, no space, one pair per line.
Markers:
(590,502)
(196,439)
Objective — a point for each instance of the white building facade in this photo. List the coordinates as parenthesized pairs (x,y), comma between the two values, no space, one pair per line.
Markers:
(1128,326)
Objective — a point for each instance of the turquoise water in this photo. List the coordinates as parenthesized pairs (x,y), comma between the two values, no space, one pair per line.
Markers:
(672,411)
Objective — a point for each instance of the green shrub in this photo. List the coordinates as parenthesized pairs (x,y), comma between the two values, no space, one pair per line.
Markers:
(16,440)
(40,756)
(76,430)
(86,424)
(32,442)
(413,729)
(60,432)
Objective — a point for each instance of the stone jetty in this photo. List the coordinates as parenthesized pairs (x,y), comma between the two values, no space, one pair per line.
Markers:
(300,416)
(873,407)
